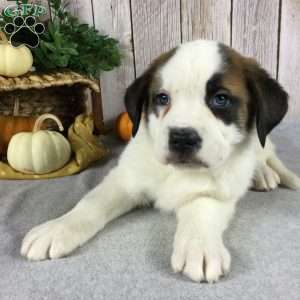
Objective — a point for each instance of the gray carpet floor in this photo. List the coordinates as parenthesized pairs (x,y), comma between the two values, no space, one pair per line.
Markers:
(130,259)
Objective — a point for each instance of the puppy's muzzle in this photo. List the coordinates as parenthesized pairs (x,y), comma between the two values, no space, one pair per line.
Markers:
(184,141)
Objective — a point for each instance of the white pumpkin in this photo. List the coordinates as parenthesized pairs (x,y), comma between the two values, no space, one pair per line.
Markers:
(14,61)
(40,151)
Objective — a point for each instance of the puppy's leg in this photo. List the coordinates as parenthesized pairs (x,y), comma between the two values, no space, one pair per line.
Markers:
(287,177)
(270,171)
(199,251)
(61,236)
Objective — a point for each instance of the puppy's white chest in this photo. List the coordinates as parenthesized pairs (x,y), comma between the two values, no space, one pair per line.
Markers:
(182,186)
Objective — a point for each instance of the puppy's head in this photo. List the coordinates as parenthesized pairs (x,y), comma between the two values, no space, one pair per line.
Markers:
(201,100)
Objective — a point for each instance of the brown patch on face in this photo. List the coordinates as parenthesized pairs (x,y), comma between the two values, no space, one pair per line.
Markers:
(261,97)
(234,80)
(155,89)
(166,110)
(158,110)
(162,59)
(139,95)
(156,83)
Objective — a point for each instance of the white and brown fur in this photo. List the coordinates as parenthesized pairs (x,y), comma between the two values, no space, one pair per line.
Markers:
(201,188)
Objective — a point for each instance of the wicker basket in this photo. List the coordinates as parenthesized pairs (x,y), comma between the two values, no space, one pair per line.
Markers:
(64,94)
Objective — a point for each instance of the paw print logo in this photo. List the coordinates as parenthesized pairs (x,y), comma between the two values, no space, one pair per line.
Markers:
(24,31)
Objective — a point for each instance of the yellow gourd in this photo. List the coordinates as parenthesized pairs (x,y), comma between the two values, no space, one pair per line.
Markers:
(14,61)
(40,151)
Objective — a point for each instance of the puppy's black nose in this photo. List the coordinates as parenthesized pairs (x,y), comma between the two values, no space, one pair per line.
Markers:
(185,140)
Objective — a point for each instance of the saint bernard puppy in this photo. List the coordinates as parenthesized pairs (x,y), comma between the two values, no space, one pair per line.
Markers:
(201,116)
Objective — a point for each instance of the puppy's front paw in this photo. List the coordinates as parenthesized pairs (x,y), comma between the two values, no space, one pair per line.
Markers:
(265,178)
(199,260)
(53,239)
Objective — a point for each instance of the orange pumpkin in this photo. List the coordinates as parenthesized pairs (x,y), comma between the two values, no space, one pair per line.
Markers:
(124,126)
(10,125)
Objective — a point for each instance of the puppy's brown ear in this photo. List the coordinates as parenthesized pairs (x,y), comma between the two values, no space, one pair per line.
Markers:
(136,98)
(269,98)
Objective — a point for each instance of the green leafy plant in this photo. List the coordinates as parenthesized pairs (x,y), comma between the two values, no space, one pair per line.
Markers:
(67,43)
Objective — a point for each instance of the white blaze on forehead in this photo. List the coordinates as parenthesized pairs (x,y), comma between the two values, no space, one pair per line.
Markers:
(192,65)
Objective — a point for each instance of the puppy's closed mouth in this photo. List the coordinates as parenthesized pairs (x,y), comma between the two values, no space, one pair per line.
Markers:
(185,162)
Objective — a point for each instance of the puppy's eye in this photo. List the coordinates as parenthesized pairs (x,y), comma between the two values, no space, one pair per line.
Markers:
(220,101)
(162,99)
